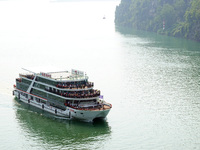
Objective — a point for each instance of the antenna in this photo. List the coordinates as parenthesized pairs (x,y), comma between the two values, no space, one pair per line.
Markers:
(28,70)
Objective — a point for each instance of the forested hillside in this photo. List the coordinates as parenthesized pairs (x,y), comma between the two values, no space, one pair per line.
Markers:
(179,18)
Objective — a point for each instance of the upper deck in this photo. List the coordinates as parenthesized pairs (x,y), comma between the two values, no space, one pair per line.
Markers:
(66,76)
(60,76)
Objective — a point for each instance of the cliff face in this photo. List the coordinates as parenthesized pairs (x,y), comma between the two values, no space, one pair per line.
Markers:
(179,18)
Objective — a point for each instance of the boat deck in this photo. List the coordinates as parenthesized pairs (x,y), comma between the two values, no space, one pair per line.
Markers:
(105,107)
(60,75)
(65,75)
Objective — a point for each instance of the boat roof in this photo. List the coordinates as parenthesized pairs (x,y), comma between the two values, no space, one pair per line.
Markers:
(74,75)
(60,75)
(65,75)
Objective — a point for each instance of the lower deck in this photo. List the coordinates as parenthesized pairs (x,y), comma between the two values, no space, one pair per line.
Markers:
(83,111)
(93,108)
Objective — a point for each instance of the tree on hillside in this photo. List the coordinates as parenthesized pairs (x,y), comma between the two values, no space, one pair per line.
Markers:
(192,17)
(182,17)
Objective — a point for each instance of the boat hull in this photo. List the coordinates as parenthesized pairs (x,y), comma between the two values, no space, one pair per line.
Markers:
(71,113)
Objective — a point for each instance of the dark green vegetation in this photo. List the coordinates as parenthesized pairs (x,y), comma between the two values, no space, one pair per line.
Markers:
(181,17)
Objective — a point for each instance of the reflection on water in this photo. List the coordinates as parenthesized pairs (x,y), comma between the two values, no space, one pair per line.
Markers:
(160,90)
(159,41)
(51,133)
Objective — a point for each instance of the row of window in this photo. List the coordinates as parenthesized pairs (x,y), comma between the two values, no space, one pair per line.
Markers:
(22,86)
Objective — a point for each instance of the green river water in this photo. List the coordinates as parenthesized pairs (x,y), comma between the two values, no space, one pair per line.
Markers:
(152,81)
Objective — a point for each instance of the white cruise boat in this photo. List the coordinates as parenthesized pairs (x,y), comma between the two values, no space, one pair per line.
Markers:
(64,94)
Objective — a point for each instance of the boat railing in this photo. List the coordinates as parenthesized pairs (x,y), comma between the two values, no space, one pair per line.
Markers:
(54,108)
(95,93)
(86,107)
(19,79)
(71,78)
(29,76)
(107,104)
(75,86)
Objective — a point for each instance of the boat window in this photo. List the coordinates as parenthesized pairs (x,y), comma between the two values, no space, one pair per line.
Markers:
(37,99)
(44,102)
